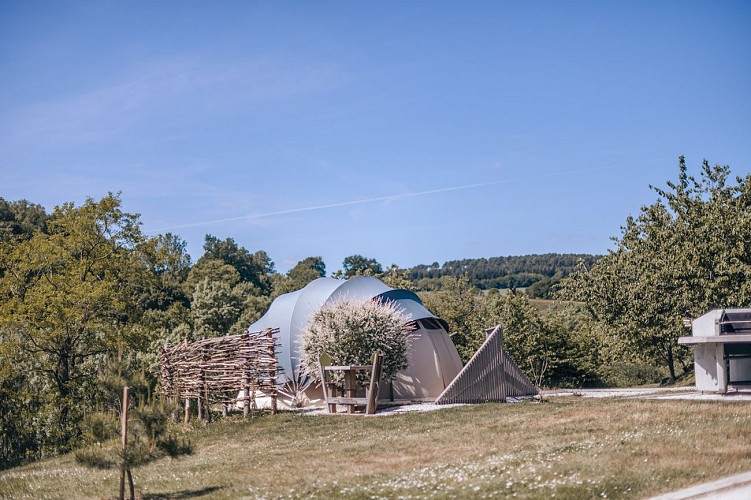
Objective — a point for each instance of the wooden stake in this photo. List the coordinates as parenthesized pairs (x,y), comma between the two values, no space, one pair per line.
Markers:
(272,371)
(187,411)
(124,440)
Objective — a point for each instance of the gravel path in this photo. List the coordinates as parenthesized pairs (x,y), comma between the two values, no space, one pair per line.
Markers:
(655,393)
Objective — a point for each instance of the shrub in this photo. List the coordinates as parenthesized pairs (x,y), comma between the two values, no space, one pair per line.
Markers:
(349,331)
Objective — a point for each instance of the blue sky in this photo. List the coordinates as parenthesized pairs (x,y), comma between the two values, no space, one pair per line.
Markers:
(410,132)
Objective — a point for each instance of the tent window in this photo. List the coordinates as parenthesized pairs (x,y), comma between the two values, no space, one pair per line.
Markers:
(431,324)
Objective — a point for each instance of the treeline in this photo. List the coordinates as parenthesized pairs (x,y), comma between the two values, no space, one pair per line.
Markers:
(501,272)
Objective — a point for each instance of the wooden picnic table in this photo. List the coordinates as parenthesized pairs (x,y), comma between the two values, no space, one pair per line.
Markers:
(349,398)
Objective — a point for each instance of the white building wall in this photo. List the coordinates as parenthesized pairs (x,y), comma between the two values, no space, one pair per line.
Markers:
(709,368)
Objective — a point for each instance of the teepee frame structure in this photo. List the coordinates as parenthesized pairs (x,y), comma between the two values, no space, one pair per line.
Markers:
(491,375)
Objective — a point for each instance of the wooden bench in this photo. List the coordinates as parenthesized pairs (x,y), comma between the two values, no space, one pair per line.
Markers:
(348,398)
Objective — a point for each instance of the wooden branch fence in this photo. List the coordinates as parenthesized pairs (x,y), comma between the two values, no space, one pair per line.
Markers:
(491,375)
(217,370)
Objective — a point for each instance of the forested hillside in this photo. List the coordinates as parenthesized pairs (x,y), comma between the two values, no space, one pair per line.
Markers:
(501,272)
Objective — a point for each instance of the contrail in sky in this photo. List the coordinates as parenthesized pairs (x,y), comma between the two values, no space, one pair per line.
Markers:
(362,201)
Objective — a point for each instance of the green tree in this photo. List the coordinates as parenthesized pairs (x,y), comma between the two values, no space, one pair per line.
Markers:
(67,296)
(355,265)
(544,288)
(19,439)
(230,287)
(254,268)
(463,308)
(687,253)
(213,270)
(305,271)
(252,306)
(214,308)
(395,277)
(525,334)
(19,219)
(165,290)
(577,346)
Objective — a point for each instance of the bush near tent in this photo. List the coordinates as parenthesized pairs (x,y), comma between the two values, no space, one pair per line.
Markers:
(349,331)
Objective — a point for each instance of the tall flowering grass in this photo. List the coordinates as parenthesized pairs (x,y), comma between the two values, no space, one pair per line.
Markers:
(349,331)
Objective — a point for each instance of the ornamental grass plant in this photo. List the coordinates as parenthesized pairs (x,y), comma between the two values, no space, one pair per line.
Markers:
(349,331)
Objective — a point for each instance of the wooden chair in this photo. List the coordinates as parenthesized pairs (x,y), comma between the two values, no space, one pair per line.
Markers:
(329,387)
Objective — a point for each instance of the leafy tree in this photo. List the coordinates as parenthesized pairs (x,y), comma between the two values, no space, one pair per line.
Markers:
(579,349)
(350,331)
(556,348)
(396,277)
(525,335)
(305,271)
(19,219)
(544,288)
(169,262)
(687,253)
(254,268)
(252,306)
(19,440)
(214,308)
(463,308)
(213,270)
(66,297)
(355,265)
(230,287)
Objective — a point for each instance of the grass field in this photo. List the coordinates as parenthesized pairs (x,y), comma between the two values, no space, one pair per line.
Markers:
(565,448)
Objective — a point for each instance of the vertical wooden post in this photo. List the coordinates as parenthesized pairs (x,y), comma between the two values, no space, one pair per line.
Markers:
(131,486)
(206,399)
(123,439)
(202,384)
(272,370)
(246,394)
(187,410)
(350,387)
(375,383)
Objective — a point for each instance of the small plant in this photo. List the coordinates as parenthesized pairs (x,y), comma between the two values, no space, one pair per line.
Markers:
(538,365)
(141,421)
(294,388)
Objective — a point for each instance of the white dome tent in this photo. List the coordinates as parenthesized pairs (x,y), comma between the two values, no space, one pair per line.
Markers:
(433,359)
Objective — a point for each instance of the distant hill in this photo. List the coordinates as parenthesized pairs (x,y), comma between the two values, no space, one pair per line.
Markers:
(501,272)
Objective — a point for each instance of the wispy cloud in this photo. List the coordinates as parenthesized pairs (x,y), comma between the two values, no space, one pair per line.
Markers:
(375,199)
(148,90)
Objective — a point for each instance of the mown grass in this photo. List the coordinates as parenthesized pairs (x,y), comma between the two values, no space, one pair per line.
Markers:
(566,448)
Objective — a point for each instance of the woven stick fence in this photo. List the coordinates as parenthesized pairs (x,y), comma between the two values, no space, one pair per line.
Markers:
(216,370)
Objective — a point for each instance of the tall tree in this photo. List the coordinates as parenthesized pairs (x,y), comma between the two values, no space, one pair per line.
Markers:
(67,295)
(214,308)
(305,271)
(254,268)
(463,308)
(19,219)
(395,277)
(357,264)
(687,253)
